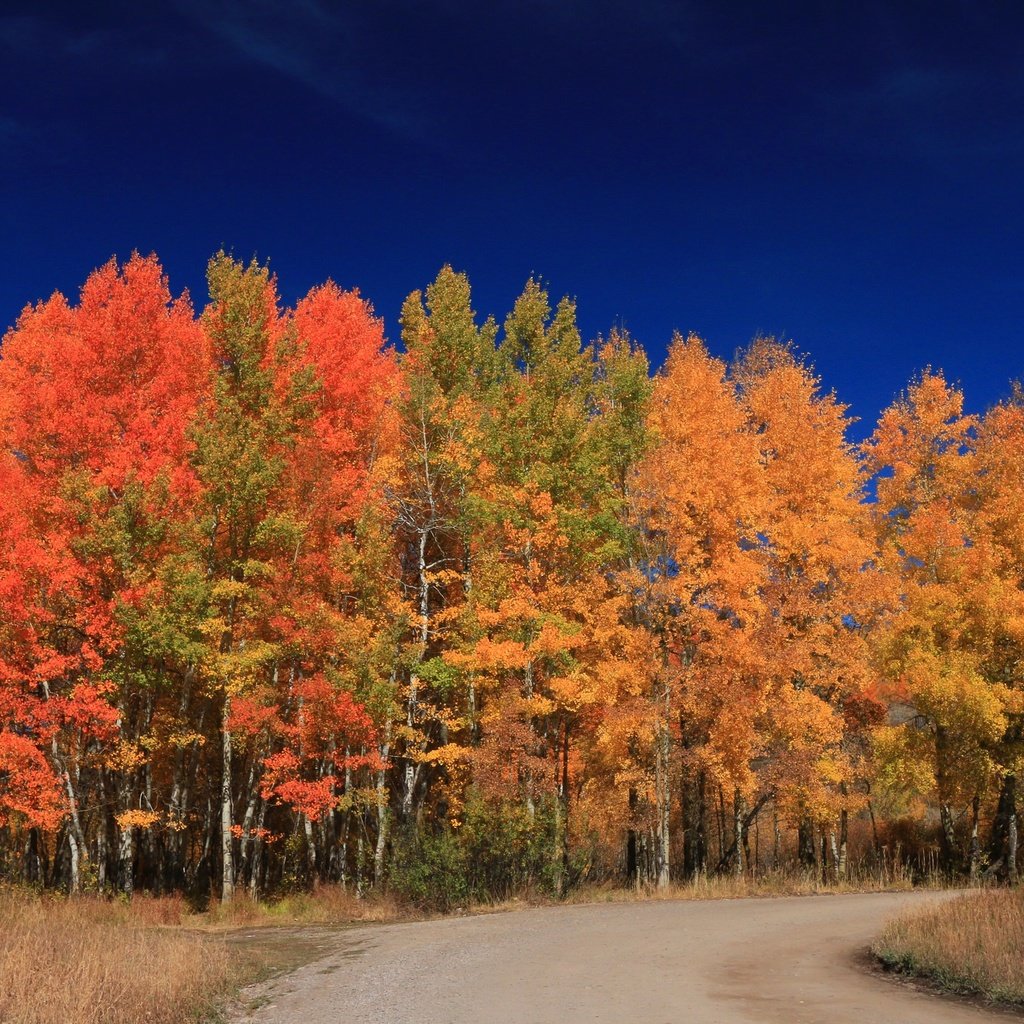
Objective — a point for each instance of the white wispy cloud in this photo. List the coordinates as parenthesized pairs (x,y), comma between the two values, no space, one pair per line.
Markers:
(315,44)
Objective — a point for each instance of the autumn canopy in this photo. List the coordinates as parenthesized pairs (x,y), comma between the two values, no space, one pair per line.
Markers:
(499,611)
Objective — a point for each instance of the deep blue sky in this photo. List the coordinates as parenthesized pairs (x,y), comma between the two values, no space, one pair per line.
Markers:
(848,175)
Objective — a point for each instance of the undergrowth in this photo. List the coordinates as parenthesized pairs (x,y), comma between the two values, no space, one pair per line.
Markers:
(973,945)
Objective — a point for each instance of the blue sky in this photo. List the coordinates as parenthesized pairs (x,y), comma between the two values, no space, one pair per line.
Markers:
(848,176)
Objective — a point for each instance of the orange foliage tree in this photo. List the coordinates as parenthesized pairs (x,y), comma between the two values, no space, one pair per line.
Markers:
(280,606)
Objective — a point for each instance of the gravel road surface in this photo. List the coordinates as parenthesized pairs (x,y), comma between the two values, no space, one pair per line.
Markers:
(796,960)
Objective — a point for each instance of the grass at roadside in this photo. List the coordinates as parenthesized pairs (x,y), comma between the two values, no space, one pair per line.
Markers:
(95,961)
(154,960)
(973,945)
(725,887)
(327,905)
(332,905)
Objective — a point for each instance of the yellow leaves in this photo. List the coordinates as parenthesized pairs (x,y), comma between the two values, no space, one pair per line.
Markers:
(410,736)
(832,768)
(241,667)
(186,739)
(225,590)
(573,691)
(125,757)
(136,819)
(903,760)
(949,689)
(447,755)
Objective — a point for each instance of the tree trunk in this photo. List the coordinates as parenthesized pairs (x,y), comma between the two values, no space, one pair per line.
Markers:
(256,862)
(776,838)
(307,829)
(695,854)
(1003,847)
(738,835)
(947,832)
(1011,848)
(664,805)
(382,812)
(561,851)
(721,826)
(76,836)
(102,872)
(125,878)
(874,832)
(844,842)
(974,862)
(632,873)
(744,824)
(226,838)
(947,840)
(411,773)
(805,842)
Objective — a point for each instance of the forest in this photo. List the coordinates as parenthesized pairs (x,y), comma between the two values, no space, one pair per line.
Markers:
(491,610)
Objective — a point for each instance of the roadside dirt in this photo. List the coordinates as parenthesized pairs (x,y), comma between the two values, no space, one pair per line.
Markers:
(793,961)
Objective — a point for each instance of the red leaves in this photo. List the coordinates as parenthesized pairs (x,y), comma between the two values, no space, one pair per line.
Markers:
(29,789)
(314,797)
(100,494)
(88,710)
(327,724)
(251,717)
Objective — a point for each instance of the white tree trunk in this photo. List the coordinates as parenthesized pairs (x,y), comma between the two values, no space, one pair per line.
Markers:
(226,838)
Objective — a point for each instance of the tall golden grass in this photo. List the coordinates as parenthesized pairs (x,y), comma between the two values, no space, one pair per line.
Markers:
(325,905)
(771,883)
(91,960)
(973,945)
(95,961)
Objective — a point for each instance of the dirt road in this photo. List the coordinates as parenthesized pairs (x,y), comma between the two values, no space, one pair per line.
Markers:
(796,961)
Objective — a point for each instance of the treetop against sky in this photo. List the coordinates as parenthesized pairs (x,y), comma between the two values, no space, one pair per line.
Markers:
(845,177)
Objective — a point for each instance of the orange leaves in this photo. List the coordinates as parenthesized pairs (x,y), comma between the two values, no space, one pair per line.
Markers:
(948,517)
(758,550)
(252,716)
(167,481)
(312,797)
(326,725)
(497,655)
(136,818)
(107,385)
(341,341)
(700,486)
(508,561)
(88,709)
(28,786)
(330,719)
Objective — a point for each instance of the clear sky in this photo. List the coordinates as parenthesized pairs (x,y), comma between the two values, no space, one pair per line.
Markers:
(848,175)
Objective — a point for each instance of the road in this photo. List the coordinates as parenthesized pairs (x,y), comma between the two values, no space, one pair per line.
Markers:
(796,960)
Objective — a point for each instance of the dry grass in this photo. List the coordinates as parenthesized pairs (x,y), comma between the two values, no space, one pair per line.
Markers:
(331,904)
(95,961)
(91,960)
(327,904)
(727,887)
(971,945)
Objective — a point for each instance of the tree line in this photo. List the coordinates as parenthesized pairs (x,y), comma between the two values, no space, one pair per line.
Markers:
(499,610)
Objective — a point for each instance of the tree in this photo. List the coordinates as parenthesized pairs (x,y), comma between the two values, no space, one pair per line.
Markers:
(924,452)
(96,402)
(701,498)
(820,595)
